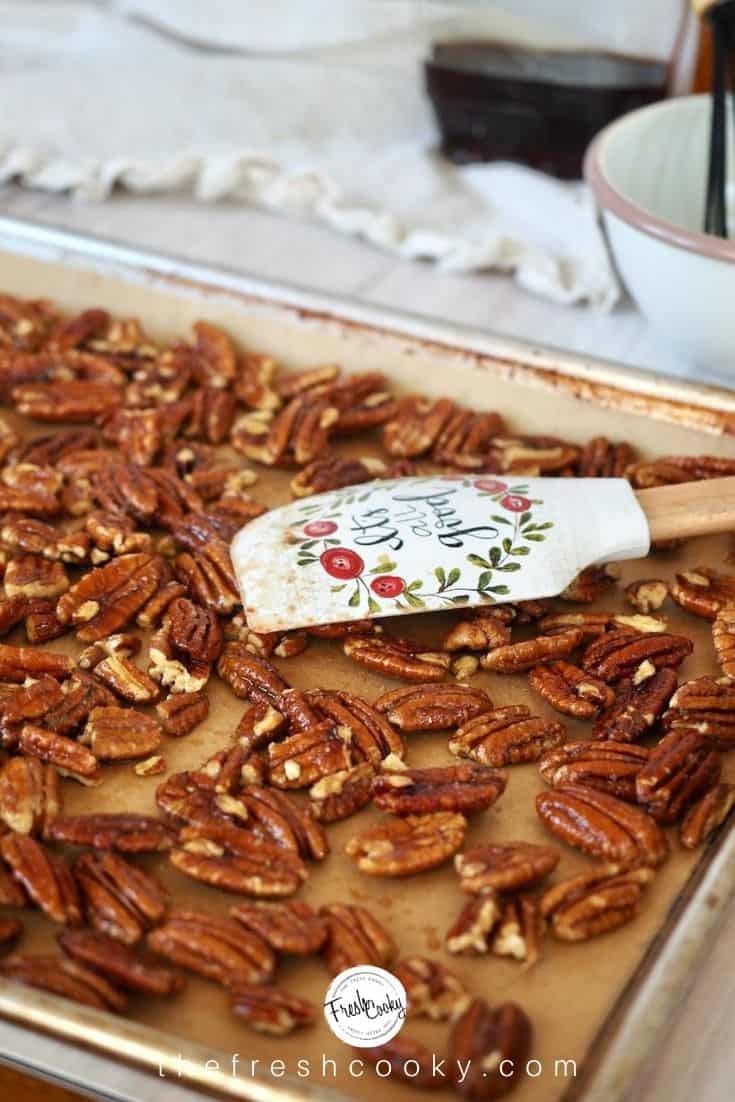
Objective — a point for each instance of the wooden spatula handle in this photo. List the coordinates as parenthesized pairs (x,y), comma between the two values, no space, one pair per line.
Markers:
(690,509)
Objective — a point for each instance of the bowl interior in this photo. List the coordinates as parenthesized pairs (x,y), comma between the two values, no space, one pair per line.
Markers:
(657,159)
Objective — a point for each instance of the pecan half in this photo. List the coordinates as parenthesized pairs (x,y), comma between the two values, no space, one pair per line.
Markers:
(30,798)
(120,899)
(520,930)
(209,578)
(301,759)
(46,879)
(119,963)
(589,585)
(516,657)
(494,1043)
(119,734)
(369,736)
(639,702)
(120,831)
(403,847)
(234,860)
(706,815)
(647,595)
(594,903)
(108,598)
(250,677)
(707,705)
(504,867)
(216,948)
(723,637)
(66,754)
(339,795)
(483,631)
(680,768)
(333,472)
(66,978)
(416,426)
(570,690)
(180,713)
(291,927)
(506,736)
(183,650)
(18,663)
(672,469)
(432,707)
(619,654)
(82,693)
(272,815)
(126,679)
(34,537)
(354,936)
(608,766)
(600,458)
(602,826)
(463,788)
(269,1009)
(399,658)
(704,591)
(33,576)
(433,991)
(471,932)
(74,400)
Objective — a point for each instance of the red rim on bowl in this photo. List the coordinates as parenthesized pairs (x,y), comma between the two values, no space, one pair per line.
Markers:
(612,200)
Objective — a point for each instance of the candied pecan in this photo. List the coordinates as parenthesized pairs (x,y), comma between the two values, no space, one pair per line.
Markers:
(119,962)
(589,585)
(30,798)
(249,676)
(180,713)
(69,400)
(680,769)
(706,815)
(594,903)
(46,879)
(467,438)
(17,663)
(369,736)
(520,930)
(113,533)
(120,899)
(591,624)
(485,631)
(33,576)
(402,847)
(297,434)
(127,680)
(671,469)
(292,927)
(253,384)
(76,331)
(334,472)
(704,591)
(41,622)
(122,644)
(183,650)
(723,637)
(432,707)
(602,826)
(416,426)
(11,891)
(506,736)
(608,766)
(354,937)
(215,360)
(516,657)
(504,867)
(214,947)
(265,644)
(342,630)
(153,766)
(31,701)
(570,690)
(618,654)
(639,702)
(82,693)
(403,1053)
(120,831)
(647,595)
(49,449)
(273,816)
(154,610)
(399,658)
(707,705)
(600,458)
(463,788)
(471,932)
(305,756)
(209,578)
(269,1009)
(123,488)
(35,537)
(69,758)
(12,611)
(234,860)
(118,734)
(433,991)
(25,323)
(66,978)
(493,1043)
(531,455)
(341,794)
(107,598)
(185,798)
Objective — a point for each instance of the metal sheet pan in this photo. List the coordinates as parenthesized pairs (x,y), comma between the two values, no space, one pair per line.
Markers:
(602,1003)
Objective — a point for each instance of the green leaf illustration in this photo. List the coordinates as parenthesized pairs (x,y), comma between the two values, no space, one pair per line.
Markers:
(413,586)
(510,566)
(519,551)
(454,575)
(355,598)
(484,580)
(501,589)
(536,537)
(477,560)
(494,556)
(441,577)
(415,602)
(337,588)
(507,544)
(525,518)
(383,567)
(500,520)
(461,600)
(373,605)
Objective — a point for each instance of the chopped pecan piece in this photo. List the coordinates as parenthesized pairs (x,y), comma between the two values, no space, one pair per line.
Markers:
(399,658)
(292,927)
(589,585)
(235,860)
(471,932)
(354,937)
(119,963)
(41,622)
(647,595)
(185,647)
(250,677)
(618,654)
(118,734)
(120,831)
(520,930)
(70,759)
(66,978)
(153,766)
(493,1043)
(30,798)
(707,705)
(46,879)
(127,680)
(516,657)
(120,899)
(608,766)
(123,645)
(594,903)
(706,815)
(216,948)
(33,576)
(570,690)
(506,736)
(463,788)
(433,707)
(602,826)
(531,455)
(341,794)
(17,663)
(723,637)
(270,1010)
(680,769)
(504,867)
(703,591)
(107,598)
(180,713)
(403,847)
(433,991)
(483,631)
(639,702)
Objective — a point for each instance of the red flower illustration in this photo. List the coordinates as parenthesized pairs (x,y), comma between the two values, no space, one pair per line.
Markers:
(320,528)
(490,485)
(516,503)
(342,563)
(387,585)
